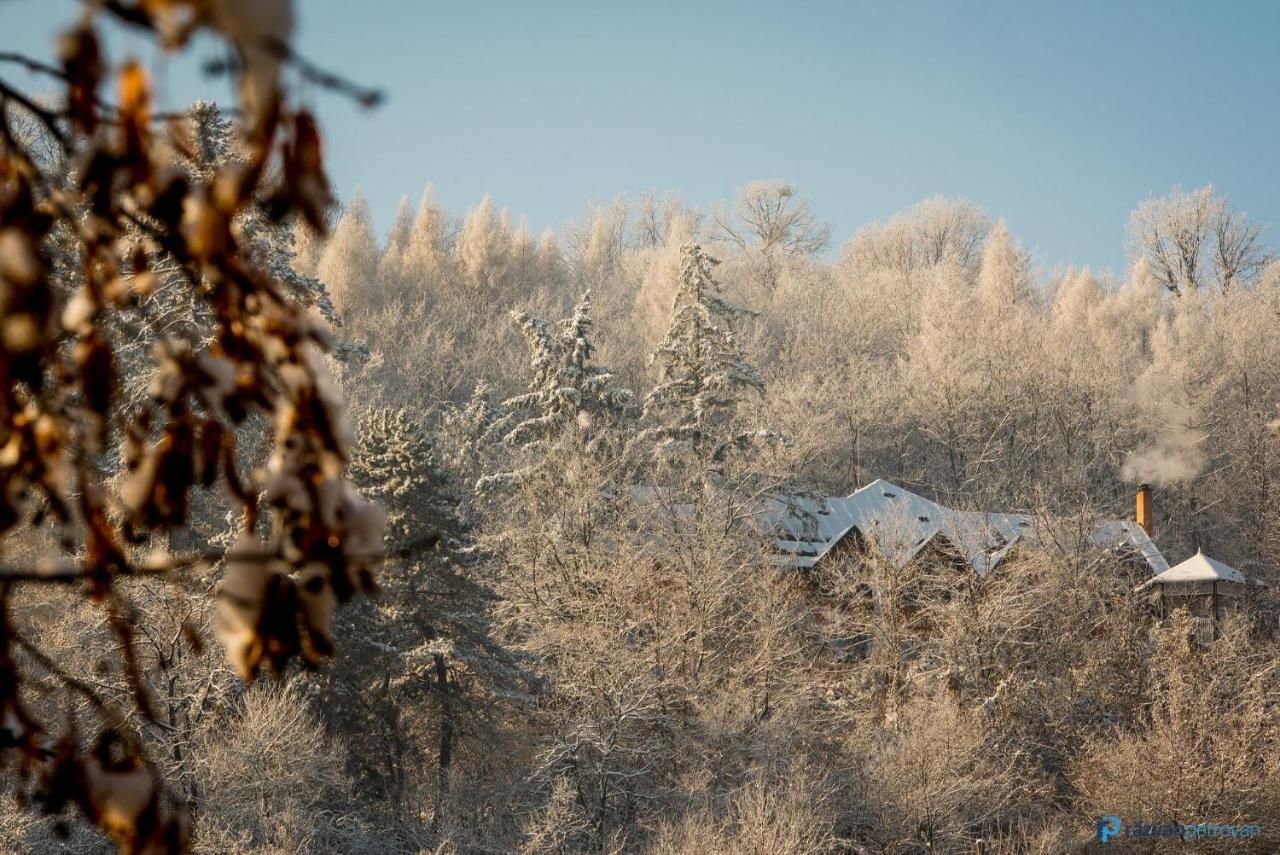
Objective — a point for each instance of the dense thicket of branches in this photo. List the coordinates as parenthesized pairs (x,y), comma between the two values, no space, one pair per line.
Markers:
(642,679)
(592,652)
(596,654)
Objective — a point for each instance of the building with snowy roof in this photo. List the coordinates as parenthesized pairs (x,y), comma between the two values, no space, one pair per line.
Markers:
(903,526)
(1202,585)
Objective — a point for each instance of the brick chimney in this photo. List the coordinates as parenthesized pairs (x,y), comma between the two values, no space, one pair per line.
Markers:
(1142,508)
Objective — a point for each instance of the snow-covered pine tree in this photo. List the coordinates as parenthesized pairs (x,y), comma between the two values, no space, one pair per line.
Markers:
(464,430)
(424,646)
(567,392)
(566,387)
(213,142)
(393,462)
(702,371)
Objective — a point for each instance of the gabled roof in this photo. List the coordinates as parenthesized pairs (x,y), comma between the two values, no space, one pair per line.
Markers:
(1128,534)
(902,523)
(1200,568)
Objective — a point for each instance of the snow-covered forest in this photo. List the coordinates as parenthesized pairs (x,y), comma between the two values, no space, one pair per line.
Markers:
(495,573)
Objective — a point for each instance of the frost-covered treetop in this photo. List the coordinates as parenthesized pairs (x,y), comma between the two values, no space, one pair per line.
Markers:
(212,141)
(698,287)
(565,387)
(702,370)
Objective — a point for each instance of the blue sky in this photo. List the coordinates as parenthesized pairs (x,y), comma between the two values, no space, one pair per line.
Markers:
(1059,117)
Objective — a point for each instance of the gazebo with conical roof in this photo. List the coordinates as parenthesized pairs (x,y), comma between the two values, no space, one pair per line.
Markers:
(1199,584)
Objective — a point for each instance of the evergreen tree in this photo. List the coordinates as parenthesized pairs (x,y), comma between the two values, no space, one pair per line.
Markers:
(170,304)
(566,393)
(703,373)
(565,389)
(420,671)
(465,429)
(214,143)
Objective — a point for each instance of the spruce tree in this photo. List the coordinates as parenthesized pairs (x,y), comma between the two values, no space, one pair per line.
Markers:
(419,669)
(702,372)
(169,304)
(566,388)
(568,394)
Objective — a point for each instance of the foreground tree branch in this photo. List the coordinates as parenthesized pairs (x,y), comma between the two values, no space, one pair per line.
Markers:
(83,245)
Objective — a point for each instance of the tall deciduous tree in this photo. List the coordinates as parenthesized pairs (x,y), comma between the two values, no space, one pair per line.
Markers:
(391,266)
(426,255)
(934,231)
(1004,273)
(484,247)
(774,225)
(349,264)
(1194,238)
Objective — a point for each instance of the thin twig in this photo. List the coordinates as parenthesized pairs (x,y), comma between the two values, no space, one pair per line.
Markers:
(47,118)
(367,97)
(82,688)
(32,65)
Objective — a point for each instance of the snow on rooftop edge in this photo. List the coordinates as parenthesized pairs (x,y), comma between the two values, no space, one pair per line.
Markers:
(903,523)
(1201,568)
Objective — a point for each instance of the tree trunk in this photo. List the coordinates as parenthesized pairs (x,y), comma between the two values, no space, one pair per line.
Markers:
(445,759)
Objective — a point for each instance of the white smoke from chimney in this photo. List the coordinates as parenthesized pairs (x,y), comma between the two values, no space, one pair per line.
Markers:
(1176,453)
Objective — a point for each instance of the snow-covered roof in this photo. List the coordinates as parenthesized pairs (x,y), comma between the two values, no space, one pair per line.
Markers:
(902,524)
(1128,534)
(1199,568)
